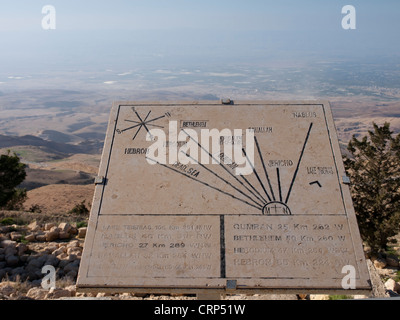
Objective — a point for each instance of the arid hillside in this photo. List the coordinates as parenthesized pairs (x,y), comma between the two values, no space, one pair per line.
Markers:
(59,198)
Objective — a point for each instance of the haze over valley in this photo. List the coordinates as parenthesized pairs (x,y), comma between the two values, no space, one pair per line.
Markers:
(57,86)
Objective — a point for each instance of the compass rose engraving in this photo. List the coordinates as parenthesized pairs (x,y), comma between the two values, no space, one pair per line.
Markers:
(142,123)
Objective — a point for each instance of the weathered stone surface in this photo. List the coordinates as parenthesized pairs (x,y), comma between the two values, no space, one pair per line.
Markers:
(378,287)
(185,220)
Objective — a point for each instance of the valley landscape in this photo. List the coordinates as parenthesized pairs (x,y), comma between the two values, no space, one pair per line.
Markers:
(59,133)
(57,88)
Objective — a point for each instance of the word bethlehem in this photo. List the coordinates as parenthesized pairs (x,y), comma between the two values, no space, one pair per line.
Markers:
(204,149)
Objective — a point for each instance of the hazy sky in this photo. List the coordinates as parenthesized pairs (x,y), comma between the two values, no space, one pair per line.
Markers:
(96,34)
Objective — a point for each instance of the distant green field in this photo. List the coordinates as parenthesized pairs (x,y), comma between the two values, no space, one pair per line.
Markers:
(32,154)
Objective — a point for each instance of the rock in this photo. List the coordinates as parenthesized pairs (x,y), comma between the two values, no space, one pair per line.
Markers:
(36,263)
(30,237)
(34,226)
(20,271)
(34,266)
(64,227)
(5,229)
(12,260)
(48,226)
(51,235)
(63,256)
(392,285)
(392,261)
(72,274)
(8,243)
(40,237)
(59,251)
(72,289)
(380,263)
(73,231)
(10,250)
(15,236)
(52,261)
(63,262)
(72,266)
(37,293)
(55,229)
(50,248)
(73,244)
(24,258)
(22,248)
(57,293)
(100,295)
(73,257)
(71,269)
(76,251)
(82,232)
(2,273)
(64,235)
(6,288)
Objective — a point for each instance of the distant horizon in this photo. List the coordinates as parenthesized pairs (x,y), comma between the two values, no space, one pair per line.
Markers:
(96,35)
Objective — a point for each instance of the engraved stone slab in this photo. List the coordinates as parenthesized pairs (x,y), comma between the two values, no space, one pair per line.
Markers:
(195,196)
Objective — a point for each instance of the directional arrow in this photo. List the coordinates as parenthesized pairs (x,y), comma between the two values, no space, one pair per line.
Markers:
(316,182)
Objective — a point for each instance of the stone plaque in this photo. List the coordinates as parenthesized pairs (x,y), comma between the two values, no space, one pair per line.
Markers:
(244,196)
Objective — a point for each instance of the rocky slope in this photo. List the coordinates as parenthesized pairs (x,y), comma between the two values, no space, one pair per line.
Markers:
(25,249)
